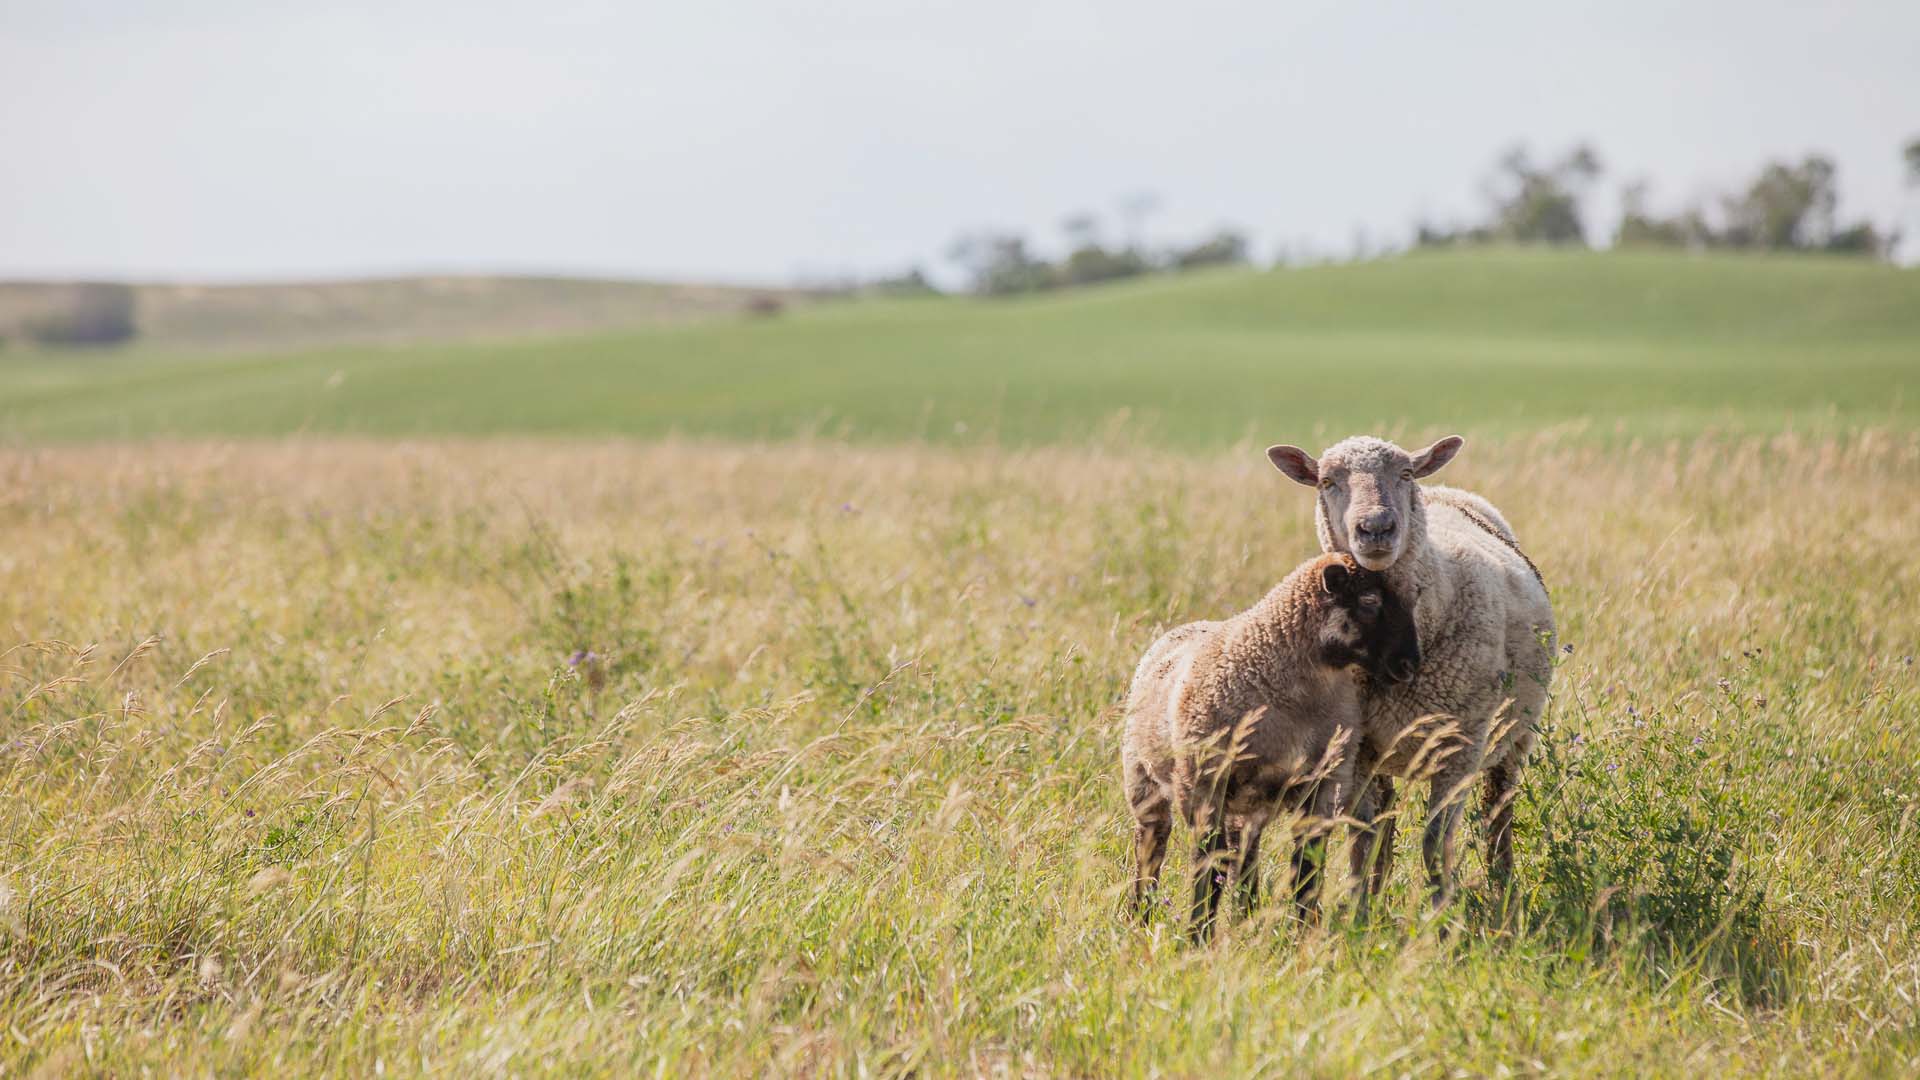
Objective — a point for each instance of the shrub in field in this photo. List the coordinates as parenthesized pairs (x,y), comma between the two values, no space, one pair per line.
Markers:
(95,313)
(1645,830)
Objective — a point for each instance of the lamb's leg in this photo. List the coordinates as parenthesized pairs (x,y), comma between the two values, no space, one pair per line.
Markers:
(1386,825)
(1212,860)
(1246,845)
(1152,823)
(1150,834)
(1371,859)
(1309,854)
(1329,800)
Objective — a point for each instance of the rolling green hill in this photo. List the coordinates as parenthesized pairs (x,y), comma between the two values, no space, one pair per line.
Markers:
(1642,344)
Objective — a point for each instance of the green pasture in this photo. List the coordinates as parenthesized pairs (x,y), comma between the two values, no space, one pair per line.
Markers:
(1493,342)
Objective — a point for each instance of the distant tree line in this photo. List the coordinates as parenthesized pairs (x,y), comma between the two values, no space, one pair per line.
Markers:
(1788,206)
(1001,263)
(1528,203)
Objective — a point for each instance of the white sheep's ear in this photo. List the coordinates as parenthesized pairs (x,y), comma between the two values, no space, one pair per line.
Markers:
(1428,461)
(1296,463)
(1334,578)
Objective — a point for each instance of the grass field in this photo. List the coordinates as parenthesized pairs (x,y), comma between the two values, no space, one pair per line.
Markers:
(421,728)
(1507,343)
(528,757)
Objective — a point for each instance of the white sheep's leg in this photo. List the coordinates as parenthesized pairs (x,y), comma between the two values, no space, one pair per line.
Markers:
(1510,742)
(1443,822)
(1502,787)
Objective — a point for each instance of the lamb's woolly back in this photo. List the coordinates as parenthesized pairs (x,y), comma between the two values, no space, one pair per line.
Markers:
(1264,652)
(1272,640)
(1291,607)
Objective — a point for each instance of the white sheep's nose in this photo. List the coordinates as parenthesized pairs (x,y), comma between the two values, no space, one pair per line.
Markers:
(1378,525)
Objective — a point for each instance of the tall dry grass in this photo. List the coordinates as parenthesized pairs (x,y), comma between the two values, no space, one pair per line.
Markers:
(527,758)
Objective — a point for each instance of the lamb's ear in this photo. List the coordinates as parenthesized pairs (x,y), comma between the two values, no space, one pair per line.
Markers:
(1335,578)
(1428,461)
(1296,463)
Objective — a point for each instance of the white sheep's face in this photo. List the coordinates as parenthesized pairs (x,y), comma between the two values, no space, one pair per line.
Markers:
(1366,490)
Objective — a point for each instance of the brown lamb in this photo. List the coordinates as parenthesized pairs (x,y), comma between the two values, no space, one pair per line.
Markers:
(1232,722)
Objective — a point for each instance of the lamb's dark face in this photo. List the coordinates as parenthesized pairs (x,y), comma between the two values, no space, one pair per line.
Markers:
(1365,624)
(1367,488)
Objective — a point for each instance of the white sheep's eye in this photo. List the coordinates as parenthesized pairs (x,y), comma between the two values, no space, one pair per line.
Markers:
(1406,474)
(1326,483)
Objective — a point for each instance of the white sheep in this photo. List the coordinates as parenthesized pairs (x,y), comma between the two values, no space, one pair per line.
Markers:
(1486,634)
(1229,722)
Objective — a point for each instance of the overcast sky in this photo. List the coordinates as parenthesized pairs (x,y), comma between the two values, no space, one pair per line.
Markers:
(721,139)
